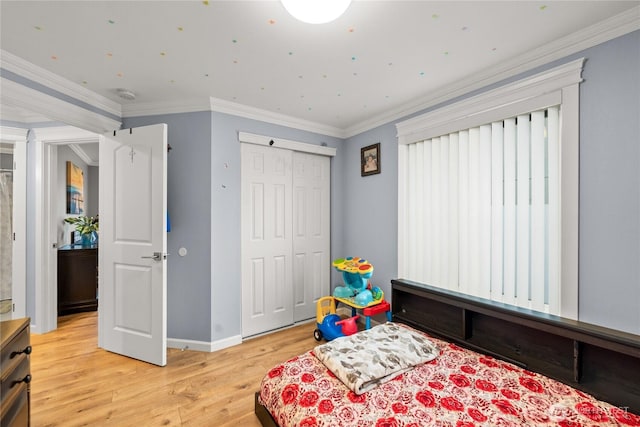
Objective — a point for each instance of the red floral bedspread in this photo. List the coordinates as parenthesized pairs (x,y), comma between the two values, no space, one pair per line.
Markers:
(459,388)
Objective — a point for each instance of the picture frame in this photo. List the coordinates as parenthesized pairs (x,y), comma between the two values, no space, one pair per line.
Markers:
(75,189)
(370,160)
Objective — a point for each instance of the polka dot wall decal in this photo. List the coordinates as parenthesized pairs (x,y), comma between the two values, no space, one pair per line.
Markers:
(272,21)
(543,7)
(111,21)
(120,75)
(84,82)
(353,58)
(109,55)
(464,28)
(234,41)
(435,16)
(180,28)
(37,27)
(54,57)
(421,73)
(445,53)
(163,54)
(300,77)
(351,30)
(290,53)
(205,2)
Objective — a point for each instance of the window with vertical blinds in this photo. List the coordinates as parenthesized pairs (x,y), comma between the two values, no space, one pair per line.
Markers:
(481,205)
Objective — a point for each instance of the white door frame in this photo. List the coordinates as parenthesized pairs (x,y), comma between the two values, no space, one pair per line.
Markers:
(46,141)
(18,137)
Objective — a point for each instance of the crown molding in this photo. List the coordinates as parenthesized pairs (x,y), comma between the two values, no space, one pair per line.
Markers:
(65,134)
(13,134)
(228,107)
(171,107)
(598,33)
(56,109)
(23,68)
(594,35)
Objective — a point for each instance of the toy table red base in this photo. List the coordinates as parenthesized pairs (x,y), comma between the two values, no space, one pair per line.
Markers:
(367,311)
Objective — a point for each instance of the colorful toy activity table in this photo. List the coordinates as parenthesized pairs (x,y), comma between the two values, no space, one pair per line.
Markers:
(375,307)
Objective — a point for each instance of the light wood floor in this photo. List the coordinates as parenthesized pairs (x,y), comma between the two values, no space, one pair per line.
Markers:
(75,383)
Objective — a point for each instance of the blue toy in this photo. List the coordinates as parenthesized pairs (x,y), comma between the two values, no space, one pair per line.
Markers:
(330,325)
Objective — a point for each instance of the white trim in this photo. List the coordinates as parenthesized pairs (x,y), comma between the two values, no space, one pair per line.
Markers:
(248,112)
(15,94)
(203,345)
(538,91)
(286,143)
(601,32)
(23,68)
(616,26)
(18,137)
(46,140)
(171,107)
(77,148)
(11,134)
(569,200)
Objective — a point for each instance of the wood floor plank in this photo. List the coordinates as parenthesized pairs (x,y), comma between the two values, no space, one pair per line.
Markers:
(77,384)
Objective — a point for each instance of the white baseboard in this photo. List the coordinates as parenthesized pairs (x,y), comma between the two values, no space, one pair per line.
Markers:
(208,347)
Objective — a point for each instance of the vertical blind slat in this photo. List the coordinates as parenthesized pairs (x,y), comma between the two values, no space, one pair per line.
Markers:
(553,130)
(473,259)
(454,234)
(484,212)
(509,211)
(538,234)
(522,210)
(463,206)
(497,217)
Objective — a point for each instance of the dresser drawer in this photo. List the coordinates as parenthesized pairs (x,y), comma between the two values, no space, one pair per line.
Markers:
(15,407)
(16,346)
(17,372)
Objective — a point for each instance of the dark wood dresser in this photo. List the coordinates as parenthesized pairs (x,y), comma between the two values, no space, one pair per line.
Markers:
(15,373)
(77,279)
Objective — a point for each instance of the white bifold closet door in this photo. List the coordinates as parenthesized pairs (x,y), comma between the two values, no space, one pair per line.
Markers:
(285,218)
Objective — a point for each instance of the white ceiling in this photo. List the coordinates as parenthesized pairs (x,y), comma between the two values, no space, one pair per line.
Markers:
(380,58)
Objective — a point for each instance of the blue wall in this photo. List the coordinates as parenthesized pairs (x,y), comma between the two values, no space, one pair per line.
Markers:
(204,202)
(203,288)
(609,229)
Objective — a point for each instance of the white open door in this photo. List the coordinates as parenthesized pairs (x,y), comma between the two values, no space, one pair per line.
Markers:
(133,240)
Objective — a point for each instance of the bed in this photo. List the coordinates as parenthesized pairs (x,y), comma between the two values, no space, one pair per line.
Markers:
(497,365)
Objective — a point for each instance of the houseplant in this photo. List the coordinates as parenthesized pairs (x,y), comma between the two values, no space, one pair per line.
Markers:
(86,226)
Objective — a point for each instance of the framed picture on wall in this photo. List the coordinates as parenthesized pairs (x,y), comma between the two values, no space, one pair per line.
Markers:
(370,159)
(75,187)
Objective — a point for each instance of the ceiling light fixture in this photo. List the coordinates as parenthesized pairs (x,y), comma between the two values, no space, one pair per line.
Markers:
(126,94)
(316,11)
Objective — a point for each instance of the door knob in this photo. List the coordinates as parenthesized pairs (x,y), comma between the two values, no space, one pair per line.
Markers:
(157,256)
